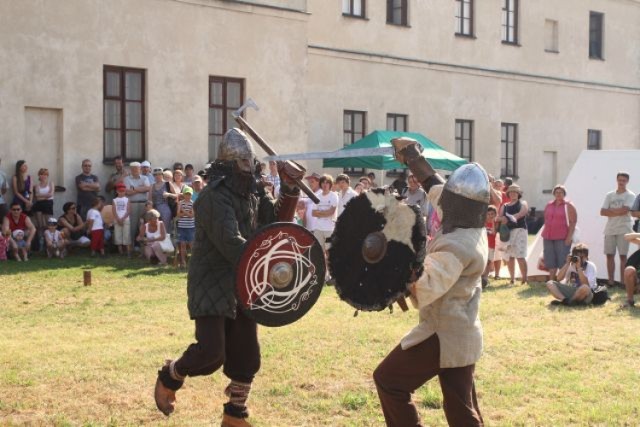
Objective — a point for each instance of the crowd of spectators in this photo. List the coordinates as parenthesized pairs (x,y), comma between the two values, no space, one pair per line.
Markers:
(141,209)
(151,211)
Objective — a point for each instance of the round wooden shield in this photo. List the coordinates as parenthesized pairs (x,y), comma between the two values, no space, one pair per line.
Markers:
(280,274)
(375,251)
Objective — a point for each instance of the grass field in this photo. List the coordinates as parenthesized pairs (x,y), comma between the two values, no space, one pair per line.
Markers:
(75,355)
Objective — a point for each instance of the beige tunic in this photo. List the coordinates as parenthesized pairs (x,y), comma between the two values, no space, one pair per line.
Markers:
(448,296)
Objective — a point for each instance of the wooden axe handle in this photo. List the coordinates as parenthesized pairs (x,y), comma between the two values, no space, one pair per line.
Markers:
(402,303)
(244,125)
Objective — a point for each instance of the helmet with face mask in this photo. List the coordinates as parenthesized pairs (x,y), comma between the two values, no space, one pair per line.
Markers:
(465,198)
(235,146)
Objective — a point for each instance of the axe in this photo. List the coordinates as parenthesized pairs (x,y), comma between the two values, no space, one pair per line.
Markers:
(244,125)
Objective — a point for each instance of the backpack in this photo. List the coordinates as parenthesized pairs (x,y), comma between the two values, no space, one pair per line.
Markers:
(600,295)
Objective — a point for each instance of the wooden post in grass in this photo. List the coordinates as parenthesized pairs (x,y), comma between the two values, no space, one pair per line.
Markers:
(87,277)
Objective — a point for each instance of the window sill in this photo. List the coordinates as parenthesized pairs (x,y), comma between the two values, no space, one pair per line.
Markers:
(398,25)
(551,51)
(465,36)
(547,191)
(515,44)
(596,58)
(362,18)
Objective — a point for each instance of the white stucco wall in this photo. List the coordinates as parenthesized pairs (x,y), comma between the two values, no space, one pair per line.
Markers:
(53,53)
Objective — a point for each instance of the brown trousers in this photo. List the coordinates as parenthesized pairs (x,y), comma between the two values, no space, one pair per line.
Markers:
(223,341)
(403,371)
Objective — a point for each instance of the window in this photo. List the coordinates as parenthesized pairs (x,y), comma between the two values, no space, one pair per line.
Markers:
(510,21)
(551,36)
(225,96)
(508,147)
(396,122)
(464,18)
(124,123)
(354,129)
(397,12)
(596,29)
(354,8)
(594,141)
(464,139)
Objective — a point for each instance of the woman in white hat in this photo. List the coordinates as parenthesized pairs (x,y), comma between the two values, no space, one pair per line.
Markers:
(513,214)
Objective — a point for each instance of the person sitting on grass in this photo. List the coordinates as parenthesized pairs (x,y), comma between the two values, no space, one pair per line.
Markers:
(632,267)
(151,235)
(54,239)
(14,221)
(5,238)
(579,277)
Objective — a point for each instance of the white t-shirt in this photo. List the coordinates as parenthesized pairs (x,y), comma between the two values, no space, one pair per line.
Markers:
(618,224)
(54,236)
(121,204)
(310,220)
(326,202)
(344,198)
(590,271)
(95,215)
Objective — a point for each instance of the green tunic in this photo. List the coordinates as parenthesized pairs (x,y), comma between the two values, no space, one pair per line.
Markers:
(225,219)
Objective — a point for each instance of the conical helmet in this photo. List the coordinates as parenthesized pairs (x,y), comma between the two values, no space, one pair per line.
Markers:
(471,182)
(235,146)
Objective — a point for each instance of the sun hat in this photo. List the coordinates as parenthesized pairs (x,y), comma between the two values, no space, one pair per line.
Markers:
(17,233)
(314,175)
(514,187)
(134,164)
(145,164)
(157,171)
(187,190)
(52,221)
(120,186)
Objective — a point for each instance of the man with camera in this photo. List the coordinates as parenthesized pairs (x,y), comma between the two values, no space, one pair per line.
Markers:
(578,275)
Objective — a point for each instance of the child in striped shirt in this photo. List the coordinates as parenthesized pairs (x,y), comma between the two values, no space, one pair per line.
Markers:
(186,225)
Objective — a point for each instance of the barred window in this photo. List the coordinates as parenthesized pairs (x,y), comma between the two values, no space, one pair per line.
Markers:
(225,96)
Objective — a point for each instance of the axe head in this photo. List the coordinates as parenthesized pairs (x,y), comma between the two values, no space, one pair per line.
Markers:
(248,103)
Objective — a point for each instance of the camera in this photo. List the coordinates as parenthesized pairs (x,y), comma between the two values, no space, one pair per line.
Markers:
(575,259)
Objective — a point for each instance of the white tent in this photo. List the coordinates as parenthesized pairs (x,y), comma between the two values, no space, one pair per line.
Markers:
(593,175)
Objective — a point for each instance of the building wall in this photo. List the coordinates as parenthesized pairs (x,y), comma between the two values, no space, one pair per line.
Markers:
(427,72)
(53,53)
(305,63)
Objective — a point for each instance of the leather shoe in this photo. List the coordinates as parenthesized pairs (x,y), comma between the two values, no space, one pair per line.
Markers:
(229,421)
(165,398)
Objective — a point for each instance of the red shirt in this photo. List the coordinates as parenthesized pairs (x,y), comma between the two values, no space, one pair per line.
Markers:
(20,225)
(491,233)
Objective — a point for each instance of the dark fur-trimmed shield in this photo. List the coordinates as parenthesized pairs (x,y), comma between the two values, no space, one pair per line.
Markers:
(378,243)
(280,274)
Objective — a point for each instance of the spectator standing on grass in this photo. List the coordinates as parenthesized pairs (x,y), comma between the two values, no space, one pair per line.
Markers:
(358,188)
(121,211)
(72,226)
(43,203)
(366,183)
(514,214)
(617,208)
(273,177)
(490,226)
(416,196)
(21,185)
(160,202)
(16,220)
(145,170)
(313,181)
(88,186)
(576,279)
(54,240)
(325,214)
(400,183)
(372,179)
(137,190)
(345,192)
(186,225)
(188,174)
(560,218)
(198,185)
(4,186)
(95,227)
(117,176)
